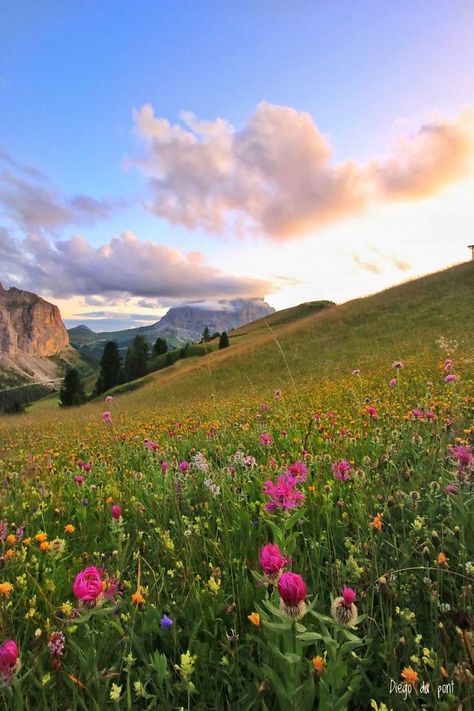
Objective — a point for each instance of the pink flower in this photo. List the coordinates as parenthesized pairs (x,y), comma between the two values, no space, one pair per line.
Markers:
(183,466)
(80,463)
(293,591)
(164,466)
(462,454)
(448,364)
(341,470)
(393,382)
(429,415)
(282,493)
(149,444)
(398,364)
(9,655)
(417,413)
(451,489)
(272,561)
(107,417)
(87,467)
(109,398)
(79,480)
(298,471)
(88,584)
(116,511)
(372,411)
(348,596)
(264,406)
(451,378)
(266,439)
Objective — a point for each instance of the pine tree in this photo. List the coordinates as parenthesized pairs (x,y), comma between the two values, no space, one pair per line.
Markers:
(72,389)
(160,347)
(223,340)
(206,335)
(136,360)
(109,374)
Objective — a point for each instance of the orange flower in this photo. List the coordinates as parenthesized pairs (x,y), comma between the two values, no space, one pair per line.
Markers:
(40,537)
(69,528)
(137,598)
(44,546)
(76,681)
(10,553)
(254,618)
(319,664)
(442,559)
(409,675)
(27,541)
(376,522)
(11,540)
(5,589)
(109,500)
(312,489)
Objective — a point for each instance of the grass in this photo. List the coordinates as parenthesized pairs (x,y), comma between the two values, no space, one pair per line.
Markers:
(188,458)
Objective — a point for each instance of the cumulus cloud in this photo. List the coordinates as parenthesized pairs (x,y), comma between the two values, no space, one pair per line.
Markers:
(125,265)
(276,176)
(30,201)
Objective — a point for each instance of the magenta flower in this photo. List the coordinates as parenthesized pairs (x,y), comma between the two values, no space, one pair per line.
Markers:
(272,561)
(451,378)
(282,493)
(116,511)
(298,470)
(88,584)
(164,466)
(109,398)
(87,467)
(183,466)
(348,596)
(9,656)
(80,463)
(462,454)
(79,480)
(393,382)
(372,411)
(293,591)
(341,470)
(417,413)
(451,489)
(266,439)
(107,417)
(448,364)
(429,415)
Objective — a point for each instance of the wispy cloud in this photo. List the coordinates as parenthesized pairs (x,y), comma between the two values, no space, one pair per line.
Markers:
(276,176)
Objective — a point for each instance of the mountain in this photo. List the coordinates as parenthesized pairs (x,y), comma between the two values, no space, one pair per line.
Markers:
(34,344)
(179,325)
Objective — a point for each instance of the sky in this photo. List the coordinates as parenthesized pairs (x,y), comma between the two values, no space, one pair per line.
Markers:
(160,153)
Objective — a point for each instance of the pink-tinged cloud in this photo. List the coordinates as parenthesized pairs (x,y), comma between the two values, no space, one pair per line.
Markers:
(123,266)
(276,176)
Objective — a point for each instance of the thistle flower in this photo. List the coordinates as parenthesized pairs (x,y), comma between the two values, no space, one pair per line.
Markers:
(265,439)
(272,561)
(343,609)
(116,511)
(107,417)
(451,378)
(282,493)
(341,470)
(292,589)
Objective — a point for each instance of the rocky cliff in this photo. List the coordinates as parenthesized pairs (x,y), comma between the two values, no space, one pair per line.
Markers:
(31,330)
(30,325)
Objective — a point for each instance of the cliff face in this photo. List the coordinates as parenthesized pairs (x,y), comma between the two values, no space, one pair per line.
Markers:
(29,325)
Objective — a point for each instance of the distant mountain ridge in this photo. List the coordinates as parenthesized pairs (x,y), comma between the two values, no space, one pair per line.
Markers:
(179,325)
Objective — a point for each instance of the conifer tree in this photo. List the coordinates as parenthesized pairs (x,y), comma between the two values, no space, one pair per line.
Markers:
(72,389)
(223,340)
(109,374)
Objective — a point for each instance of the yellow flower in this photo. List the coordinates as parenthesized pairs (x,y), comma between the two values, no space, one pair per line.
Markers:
(5,589)
(319,664)
(137,598)
(115,692)
(214,585)
(442,559)
(254,618)
(69,528)
(409,675)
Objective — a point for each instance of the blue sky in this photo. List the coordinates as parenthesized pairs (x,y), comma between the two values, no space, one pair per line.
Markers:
(71,75)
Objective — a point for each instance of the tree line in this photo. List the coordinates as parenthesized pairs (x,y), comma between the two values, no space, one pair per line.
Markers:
(137,363)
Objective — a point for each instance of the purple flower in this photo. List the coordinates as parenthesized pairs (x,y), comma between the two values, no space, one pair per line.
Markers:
(451,378)
(298,471)
(266,439)
(183,466)
(166,622)
(451,489)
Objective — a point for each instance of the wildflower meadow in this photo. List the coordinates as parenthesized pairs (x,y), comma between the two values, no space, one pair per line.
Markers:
(305,547)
